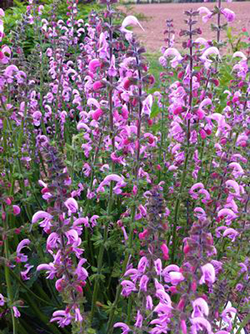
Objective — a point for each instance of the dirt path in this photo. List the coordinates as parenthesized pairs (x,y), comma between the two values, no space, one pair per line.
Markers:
(157,14)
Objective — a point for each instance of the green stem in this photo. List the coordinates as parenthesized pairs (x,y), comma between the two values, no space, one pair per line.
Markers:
(110,201)
(177,207)
(8,280)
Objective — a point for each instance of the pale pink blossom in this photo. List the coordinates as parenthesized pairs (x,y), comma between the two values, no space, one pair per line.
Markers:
(177,56)
(208,52)
(129,21)
(207,12)
(208,274)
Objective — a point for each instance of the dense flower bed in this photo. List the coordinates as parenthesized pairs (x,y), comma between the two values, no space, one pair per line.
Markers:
(121,210)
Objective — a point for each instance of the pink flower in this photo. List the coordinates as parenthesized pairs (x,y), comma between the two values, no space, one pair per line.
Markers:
(20,256)
(200,112)
(208,274)
(139,320)
(240,54)
(165,251)
(164,298)
(205,10)
(97,114)
(158,266)
(200,323)
(231,233)
(127,287)
(129,21)
(124,327)
(94,64)
(78,316)
(71,205)
(147,105)
(237,169)
(8,72)
(97,85)
(5,54)
(200,308)
(210,51)
(228,214)
(112,69)
(24,273)
(233,184)
(143,264)
(17,314)
(93,220)
(81,272)
(51,270)
(63,318)
(16,210)
(2,301)
(143,283)
(110,178)
(46,223)
(177,56)
(149,303)
(229,14)
(2,12)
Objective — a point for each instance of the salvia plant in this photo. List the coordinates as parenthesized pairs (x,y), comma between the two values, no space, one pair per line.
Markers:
(123,211)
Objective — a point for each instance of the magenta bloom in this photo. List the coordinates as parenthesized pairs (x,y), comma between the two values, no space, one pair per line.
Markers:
(71,205)
(46,222)
(229,14)
(20,256)
(16,210)
(63,318)
(17,314)
(124,327)
(2,301)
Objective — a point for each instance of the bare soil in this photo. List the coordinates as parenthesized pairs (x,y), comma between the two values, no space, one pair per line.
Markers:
(156,14)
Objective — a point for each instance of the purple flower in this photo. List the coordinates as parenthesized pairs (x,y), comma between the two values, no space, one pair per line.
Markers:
(139,319)
(20,256)
(228,214)
(143,283)
(2,301)
(149,303)
(127,288)
(143,264)
(17,314)
(25,272)
(158,266)
(63,318)
(124,327)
